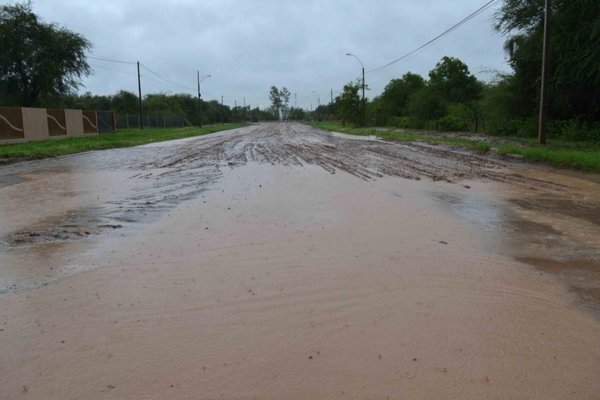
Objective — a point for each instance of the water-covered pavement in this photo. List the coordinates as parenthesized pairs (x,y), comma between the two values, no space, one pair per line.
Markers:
(279,261)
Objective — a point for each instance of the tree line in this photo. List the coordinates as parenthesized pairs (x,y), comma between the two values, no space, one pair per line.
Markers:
(189,107)
(452,99)
(41,64)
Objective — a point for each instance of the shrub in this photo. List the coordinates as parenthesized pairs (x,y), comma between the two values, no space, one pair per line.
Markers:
(574,129)
(458,118)
(402,122)
(511,127)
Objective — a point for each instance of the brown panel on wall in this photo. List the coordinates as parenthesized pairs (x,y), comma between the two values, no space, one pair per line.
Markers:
(90,122)
(11,123)
(57,125)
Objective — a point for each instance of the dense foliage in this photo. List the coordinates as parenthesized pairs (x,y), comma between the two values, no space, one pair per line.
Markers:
(39,61)
(182,105)
(574,70)
(452,99)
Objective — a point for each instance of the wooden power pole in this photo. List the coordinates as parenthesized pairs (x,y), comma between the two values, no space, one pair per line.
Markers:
(544,90)
(140,95)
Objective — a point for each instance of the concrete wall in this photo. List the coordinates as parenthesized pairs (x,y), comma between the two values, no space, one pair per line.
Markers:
(35,124)
(44,124)
(74,123)
(11,123)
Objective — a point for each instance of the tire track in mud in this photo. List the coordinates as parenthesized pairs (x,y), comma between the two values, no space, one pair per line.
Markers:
(165,174)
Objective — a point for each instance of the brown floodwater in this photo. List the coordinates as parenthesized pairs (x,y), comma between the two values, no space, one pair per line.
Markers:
(278,261)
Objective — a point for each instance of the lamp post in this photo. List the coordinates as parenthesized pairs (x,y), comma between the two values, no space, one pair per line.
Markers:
(318,103)
(199,107)
(363,86)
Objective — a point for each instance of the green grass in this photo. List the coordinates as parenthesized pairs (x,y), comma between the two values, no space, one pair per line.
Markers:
(475,145)
(585,160)
(121,138)
(584,156)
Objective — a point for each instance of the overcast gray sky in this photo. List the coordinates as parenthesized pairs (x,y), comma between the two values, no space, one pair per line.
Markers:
(249,45)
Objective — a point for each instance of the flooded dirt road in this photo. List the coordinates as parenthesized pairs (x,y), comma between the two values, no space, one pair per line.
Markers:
(279,261)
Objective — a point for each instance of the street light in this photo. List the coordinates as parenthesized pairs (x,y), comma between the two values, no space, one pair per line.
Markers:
(199,107)
(318,103)
(363,86)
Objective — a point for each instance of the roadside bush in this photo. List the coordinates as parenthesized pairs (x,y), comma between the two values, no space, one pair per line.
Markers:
(574,129)
(458,118)
(403,122)
(501,127)
(511,127)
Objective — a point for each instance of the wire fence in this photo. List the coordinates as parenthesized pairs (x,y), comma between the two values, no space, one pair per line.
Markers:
(126,121)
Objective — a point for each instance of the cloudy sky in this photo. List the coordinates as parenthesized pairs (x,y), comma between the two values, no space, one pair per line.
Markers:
(249,45)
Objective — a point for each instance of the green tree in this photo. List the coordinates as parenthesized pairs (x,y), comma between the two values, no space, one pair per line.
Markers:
(276,101)
(348,104)
(426,105)
(38,61)
(574,70)
(297,114)
(280,99)
(452,81)
(396,95)
(125,102)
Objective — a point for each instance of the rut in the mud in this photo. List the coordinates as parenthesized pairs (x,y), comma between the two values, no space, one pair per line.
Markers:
(164,175)
(295,144)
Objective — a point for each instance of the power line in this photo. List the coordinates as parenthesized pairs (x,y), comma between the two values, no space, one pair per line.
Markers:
(112,69)
(165,79)
(112,60)
(447,31)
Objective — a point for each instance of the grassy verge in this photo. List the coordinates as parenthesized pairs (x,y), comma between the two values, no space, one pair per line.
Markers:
(584,156)
(585,160)
(121,138)
(478,146)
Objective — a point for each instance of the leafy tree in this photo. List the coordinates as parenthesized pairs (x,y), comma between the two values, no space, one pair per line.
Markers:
(285,100)
(426,105)
(161,103)
(459,117)
(125,102)
(574,70)
(38,61)
(280,99)
(348,104)
(296,114)
(396,95)
(452,81)
(86,101)
(276,101)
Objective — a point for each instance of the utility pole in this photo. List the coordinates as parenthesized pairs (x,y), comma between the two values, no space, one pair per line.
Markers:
(543,89)
(364,120)
(199,106)
(318,107)
(222,112)
(331,102)
(363,86)
(140,95)
(199,96)
(244,109)
(295,100)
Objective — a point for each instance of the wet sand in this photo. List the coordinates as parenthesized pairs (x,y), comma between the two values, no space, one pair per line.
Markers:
(282,262)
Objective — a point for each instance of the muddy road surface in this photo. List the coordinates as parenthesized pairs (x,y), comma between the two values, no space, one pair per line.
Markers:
(279,261)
